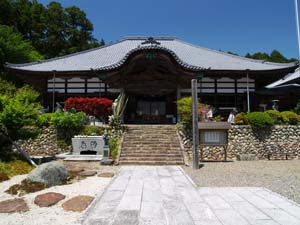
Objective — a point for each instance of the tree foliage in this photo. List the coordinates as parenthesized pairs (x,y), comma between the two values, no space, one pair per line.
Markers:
(52,29)
(14,49)
(275,56)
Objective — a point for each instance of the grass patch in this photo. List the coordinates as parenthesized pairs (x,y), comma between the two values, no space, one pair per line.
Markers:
(14,168)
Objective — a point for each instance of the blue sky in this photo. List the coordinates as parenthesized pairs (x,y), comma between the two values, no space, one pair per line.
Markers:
(239,26)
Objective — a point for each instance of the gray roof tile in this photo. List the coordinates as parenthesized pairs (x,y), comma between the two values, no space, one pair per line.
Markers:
(114,55)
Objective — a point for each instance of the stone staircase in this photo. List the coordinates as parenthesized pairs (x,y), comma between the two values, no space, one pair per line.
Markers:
(151,145)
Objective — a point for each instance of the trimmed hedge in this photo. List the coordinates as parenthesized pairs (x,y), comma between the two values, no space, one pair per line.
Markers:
(241,119)
(276,116)
(260,120)
(290,118)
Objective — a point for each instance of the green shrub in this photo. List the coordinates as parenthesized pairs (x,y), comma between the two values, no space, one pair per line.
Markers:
(16,115)
(185,109)
(89,130)
(20,110)
(290,118)
(44,120)
(259,120)
(27,95)
(276,116)
(241,119)
(66,120)
(113,144)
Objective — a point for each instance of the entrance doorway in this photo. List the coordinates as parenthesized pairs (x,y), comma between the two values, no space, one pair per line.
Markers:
(150,109)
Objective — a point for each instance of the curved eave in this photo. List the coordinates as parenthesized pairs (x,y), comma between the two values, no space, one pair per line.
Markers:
(113,67)
(188,69)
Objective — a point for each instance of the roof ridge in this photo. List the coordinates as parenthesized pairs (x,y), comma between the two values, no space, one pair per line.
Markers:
(236,56)
(65,56)
(147,37)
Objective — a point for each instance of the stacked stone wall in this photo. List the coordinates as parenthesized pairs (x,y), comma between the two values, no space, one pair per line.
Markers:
(275,142)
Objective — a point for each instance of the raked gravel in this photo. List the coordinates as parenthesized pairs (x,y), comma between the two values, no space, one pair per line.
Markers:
(282,177)
(54,215)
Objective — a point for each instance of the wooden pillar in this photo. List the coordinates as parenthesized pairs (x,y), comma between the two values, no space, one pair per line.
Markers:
(195,124)
(178,97)
(53,92)
(85,86)
(235,93)
(216,91)
(248,93)
(66,88)
(105,90)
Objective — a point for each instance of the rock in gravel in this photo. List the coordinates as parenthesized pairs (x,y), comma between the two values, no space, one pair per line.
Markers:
(87,173)
(78,203)
(50,174)
(13,205)
(107,174)
(48,199)
(74,170)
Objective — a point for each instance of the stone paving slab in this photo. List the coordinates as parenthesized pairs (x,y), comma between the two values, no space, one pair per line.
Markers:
(165,195)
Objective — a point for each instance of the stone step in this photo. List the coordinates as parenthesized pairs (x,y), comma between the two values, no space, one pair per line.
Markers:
(149,148)
(157,154)
(149,151)
(151,162)
(143,158)
(151,145)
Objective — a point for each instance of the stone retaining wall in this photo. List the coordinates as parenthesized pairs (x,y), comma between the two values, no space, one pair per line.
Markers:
(44,145)
(243,140)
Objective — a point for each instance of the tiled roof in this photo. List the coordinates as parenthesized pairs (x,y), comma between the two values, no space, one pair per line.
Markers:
(114,55)
(291,77)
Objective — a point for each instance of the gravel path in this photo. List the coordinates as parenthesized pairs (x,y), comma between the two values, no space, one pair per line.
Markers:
(282,177)
(92,186)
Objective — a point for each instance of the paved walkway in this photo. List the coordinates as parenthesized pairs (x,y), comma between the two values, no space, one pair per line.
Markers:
(166,196)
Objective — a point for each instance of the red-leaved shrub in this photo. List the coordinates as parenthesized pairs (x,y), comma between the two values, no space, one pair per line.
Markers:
(98,107)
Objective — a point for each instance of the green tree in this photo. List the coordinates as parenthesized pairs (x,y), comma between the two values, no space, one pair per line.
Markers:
(7,13)
(275,56)
(56,26)
(52,30)
(39,26)
(79,30)
(14,49)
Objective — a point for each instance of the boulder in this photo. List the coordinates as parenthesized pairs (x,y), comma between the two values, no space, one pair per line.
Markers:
(48,199)
(50,174)
(78,203)
(13,205)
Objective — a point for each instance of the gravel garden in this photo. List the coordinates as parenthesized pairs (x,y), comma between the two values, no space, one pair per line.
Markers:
(61,200)
(282,177)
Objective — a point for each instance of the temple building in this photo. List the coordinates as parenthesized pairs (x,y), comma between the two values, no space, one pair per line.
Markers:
(155,73)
